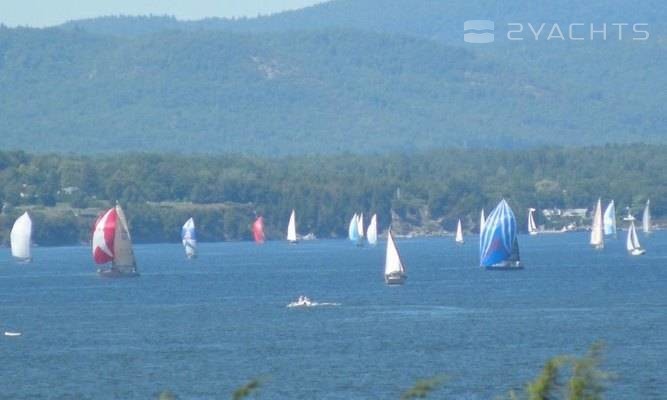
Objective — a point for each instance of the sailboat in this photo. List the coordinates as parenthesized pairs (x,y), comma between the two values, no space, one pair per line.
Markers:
(112,243)
(532,227)
(499,246)
(646,218)
(258,230)
(482,221)
(291,229)
(610,220)
(372,232)
(632,243)
(459,233)
(189,238)
(597,234)
(360,229)
(20,238)
(394,271)
(353,230)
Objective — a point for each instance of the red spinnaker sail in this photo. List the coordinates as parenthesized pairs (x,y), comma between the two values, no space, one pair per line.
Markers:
(103,236)
(258,230)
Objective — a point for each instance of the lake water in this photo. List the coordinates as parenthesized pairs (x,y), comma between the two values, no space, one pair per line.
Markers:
(202,328)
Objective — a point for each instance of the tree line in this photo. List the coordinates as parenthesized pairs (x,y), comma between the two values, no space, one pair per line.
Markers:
(225,193)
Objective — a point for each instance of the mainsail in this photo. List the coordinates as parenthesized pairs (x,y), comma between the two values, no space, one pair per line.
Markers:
(112,242)
(597,236)
(189,238)
(372,233)
(20,237)
(353,233)
(482,221)
(258,230)
(532,227)
(610,219)
(499,247)
(291,228)
(360,225)
(646,218)
(632,242)
(459,233)
(394,271)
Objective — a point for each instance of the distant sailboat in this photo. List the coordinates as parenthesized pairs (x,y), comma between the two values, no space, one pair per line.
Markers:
(499,246)
(459,233)
(632,243)
(597,234)
(353,229)
(360,229)
(112,243)
(482,221)
(610,220)
(646,218)
(291,229)
(532,227)
(372,232)
(20,238)
(189,238)
(258,230)
(394,271)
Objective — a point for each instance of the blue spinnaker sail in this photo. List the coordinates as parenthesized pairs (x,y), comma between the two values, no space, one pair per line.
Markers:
(498,243)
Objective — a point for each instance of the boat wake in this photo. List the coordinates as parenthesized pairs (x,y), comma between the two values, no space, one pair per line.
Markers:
(305,302)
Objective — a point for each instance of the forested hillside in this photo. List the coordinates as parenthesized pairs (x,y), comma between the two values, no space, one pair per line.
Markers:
(319,92)
(224,193)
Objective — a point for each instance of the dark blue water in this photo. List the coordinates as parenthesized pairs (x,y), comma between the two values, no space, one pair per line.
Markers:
(202,328)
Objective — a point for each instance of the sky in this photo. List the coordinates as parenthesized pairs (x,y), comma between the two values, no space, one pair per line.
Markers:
(41,13)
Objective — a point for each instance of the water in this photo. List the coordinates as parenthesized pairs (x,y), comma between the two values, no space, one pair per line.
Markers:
(202,328)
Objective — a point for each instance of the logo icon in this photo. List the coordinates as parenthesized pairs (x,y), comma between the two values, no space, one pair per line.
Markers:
(478,31)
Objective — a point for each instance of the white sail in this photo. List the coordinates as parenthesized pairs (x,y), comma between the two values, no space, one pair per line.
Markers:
(360,225)
(189,238)
(352,233)
(372,233)
(597,234)
(459,233)
(20,237)
(646,218)
(482,221)
(291,228)
(632,242)
(392,264)
(610,219)
(532,227)
(123,255)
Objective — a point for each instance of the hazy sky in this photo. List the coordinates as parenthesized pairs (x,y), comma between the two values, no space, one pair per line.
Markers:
(40,13)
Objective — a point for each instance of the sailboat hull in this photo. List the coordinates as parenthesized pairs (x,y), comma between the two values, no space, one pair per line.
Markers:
(395,279)
(116,273)
(506,266)
(637,252)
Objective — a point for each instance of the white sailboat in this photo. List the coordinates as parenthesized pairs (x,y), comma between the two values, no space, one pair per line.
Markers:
(532,227)
(360,229)
(372,232)
(291,228)
(632,243)
(459,233)
(112,242)
(394,271)
(646,218)
(482,221)
(20,238)
(597,234)
(189,238)
(610,220)
(352,233)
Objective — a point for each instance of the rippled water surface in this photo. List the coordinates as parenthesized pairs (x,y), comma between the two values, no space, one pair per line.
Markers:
(204,327)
